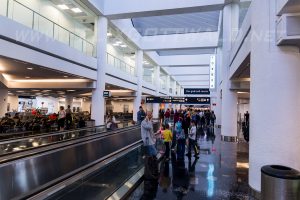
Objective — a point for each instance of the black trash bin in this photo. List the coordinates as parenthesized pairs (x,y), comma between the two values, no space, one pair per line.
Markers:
(280,183)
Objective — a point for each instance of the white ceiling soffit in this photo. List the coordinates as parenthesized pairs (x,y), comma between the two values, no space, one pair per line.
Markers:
(184,60)
(177,24)
(204,77)
(195,51)
(114,9)
(186,71)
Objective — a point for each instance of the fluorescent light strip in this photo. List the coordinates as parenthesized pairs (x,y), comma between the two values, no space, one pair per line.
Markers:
(52,81)
(76,10)
(63,7)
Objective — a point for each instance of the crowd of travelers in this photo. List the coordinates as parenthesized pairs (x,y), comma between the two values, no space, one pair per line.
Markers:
(179,128)
(64,119)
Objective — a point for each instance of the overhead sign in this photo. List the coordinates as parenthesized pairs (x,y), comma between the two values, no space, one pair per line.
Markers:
(196,91)
(106,93)
(179,100)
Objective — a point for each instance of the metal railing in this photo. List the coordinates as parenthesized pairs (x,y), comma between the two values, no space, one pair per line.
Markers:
(120,64)
(28,17)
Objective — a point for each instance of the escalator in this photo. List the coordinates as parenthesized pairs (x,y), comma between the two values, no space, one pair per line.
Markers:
(28,175)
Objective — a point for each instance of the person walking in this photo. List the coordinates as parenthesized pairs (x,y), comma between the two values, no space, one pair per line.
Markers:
(68,118)
(180,138)
(192,141)
(148,135)
(140,115)
(167,135)
(61,118)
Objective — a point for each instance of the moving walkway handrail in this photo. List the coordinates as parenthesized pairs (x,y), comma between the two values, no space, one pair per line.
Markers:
(59,145)
(46,137)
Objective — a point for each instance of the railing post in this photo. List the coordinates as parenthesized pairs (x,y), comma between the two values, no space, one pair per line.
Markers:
(32,20)
(7,8)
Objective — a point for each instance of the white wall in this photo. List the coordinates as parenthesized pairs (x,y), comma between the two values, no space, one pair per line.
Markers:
(14,102)
(119,106)
(49,102)
(86,106)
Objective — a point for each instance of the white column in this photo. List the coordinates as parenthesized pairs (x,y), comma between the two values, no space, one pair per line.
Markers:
(274,97)
(157,84)
(218,111)
(3,101)
(229,98)
(98,102)
(139,68)
(168,84)
(69,101)
(174,88)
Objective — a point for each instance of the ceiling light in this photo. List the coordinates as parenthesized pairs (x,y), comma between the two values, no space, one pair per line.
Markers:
(20,91)
(115,44)
(46,91)
(118,42)
(109,34)
(29,68)
(124,45)
(65,76)
(71,90)
(63,7)
(76,10)
(27,77)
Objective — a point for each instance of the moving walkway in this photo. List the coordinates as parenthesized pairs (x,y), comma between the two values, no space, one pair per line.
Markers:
(30,173)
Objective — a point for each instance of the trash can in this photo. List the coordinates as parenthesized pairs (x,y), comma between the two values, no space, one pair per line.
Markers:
(280,183)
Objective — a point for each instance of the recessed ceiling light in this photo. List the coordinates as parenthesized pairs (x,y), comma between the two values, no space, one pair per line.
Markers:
(65,76)
(20,91)
(35,90)
(71,90)
(29,68)
(27,77)
(115,44)
(76,10)
(63,7)
(46,90)
(118,42)
(124,45)
(109,34)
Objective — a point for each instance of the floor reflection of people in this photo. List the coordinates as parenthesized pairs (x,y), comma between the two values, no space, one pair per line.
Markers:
(165,179)
(180,177)
(193,181)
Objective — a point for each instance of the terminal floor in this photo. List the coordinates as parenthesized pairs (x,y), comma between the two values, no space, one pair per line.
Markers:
(220,173)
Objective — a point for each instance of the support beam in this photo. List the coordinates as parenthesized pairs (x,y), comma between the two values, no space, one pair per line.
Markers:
(145,8)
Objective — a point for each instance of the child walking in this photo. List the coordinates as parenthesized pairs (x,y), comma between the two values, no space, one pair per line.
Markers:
(167,135)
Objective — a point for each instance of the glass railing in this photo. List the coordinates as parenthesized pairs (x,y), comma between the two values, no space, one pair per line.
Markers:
(120,64)
(28,17)
(148,79)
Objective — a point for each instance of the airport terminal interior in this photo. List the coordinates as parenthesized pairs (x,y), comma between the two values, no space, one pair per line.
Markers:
(150,99)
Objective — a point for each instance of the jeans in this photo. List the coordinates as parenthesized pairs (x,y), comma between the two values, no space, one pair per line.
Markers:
(192,144)
(167,153)
(150,150)
(180,148)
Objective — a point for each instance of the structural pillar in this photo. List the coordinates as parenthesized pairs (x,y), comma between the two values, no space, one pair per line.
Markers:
(98,101)
(274,96)
(218,111)
(69,101)
(229,98)
(3,100)
(168,85)
(139,68)
(157,84)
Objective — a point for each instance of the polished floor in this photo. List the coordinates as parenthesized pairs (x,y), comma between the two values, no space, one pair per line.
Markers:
(220,173)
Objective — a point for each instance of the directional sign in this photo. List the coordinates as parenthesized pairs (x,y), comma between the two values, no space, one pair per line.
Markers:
(106,93)
(179,100)
(196,91)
